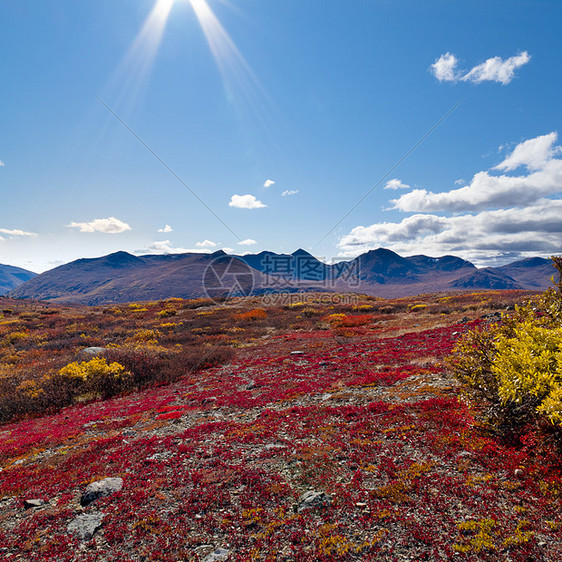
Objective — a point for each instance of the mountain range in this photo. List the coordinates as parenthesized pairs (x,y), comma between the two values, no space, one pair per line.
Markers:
(123,277)
(12,277)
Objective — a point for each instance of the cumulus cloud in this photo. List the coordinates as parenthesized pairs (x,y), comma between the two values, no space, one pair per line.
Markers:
(106,226)
(268,183)
(206,244)
(245,202)
(289,192)
(494,217)
(495,69)
(396,184)
(445,68)
(533,154)
(247,242)
(535,229)
(13,233)
(543,178)
(166,229)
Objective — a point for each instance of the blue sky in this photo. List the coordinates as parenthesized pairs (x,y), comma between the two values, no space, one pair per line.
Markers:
(321,97)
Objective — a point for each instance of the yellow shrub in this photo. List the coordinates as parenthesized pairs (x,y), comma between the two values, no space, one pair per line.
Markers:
(97,376)
(167,312)
(14,337)
(30,389)
(516,365)
(148,336)
(529,363)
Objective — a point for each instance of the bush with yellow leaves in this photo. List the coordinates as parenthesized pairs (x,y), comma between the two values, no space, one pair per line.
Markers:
(95,377)
(515,367)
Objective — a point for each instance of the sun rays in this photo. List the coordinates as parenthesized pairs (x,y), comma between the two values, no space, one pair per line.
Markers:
(242,89)
(132,73)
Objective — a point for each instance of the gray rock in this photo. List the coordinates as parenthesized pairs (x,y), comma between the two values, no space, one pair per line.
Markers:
(32,503)
(93,350)
(160,456)
(100,489)
(86,525)
(312,500)
(217,555)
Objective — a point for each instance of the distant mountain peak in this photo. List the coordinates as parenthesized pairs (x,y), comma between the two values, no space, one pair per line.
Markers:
(219,253)
(301,252)
(382,253)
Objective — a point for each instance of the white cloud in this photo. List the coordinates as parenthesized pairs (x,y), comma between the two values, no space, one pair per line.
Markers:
(15,233)
(166,229)
(247,242)
(460,181)
(206,244)
(245,202)
(534,230)
(166,247)
(544,178)
(496,217)
(445,68)
(289,192)
(268,183)
(396,184)
(2,164)
(533,153)
(227,250)
(110,225)
(495,69)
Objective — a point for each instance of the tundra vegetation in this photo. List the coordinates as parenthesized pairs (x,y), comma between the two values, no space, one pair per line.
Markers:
(322,428)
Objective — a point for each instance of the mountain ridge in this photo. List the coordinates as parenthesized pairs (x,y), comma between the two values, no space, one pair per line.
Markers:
(122,277)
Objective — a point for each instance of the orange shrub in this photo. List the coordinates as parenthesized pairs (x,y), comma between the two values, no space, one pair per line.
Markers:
(252,315)
(344,321)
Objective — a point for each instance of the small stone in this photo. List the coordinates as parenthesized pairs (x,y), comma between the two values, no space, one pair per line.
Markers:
(217,555)
(312,500)
(519,473)
(93,350)
(86,525)
(160,456)
(28,504)
(297,352)
(100,489)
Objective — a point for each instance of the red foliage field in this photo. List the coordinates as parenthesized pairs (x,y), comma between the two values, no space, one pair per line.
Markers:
(360,409)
